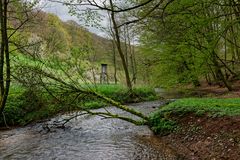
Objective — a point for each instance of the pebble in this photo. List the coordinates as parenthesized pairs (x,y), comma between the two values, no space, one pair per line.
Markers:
(231,140)
(4,136)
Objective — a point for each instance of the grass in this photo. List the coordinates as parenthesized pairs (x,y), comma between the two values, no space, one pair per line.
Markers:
(27,105)
(199,106)
(162,121)
(121,94)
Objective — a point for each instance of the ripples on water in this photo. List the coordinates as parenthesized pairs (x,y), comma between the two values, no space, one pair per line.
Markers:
(86,138)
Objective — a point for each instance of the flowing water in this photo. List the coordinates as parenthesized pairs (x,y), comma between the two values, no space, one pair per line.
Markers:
(87,138)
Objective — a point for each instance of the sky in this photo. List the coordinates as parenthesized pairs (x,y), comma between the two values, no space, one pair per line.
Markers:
(62,11)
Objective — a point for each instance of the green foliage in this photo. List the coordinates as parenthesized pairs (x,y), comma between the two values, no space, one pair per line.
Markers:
(29,103)
(161,125)
(210,106)
(94,104)
(162,121)
(13,109)
(116,92)
(189,42)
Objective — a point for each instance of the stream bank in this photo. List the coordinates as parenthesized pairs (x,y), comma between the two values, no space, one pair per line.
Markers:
(206,138)
(200,128)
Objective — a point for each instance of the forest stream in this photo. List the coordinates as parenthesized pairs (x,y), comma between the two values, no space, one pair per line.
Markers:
(87,138)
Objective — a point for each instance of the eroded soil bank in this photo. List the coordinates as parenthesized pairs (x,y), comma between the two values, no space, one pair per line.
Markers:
(206,138)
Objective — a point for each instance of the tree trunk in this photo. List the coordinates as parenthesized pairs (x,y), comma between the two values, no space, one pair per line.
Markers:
(118,44)
(219,73)
(127,49)
(114,62)
(5,44)
(2,50)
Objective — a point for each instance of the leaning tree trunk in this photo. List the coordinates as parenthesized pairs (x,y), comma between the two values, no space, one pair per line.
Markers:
(219,73)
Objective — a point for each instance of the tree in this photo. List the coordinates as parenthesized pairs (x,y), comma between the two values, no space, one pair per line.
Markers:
(49,74)
(194,36)
(119,47)
(4,83)
(14,14)
(114,8)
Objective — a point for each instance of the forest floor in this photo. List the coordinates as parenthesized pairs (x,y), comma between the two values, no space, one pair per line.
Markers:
(217,91)
(206,138)
(204,90)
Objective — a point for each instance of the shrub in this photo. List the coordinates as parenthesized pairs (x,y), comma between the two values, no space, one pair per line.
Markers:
(162,125)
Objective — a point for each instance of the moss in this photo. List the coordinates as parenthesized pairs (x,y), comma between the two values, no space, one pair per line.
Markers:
(94,104)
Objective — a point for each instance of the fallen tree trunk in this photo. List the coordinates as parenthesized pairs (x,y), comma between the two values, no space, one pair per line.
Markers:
(78,90)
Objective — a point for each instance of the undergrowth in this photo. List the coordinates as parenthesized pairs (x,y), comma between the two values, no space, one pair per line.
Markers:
(26,105)
(164,121)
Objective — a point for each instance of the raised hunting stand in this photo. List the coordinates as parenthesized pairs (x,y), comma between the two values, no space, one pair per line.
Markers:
(104,76)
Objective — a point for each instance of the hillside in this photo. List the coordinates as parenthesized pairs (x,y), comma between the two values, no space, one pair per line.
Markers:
(64,36)
(52,39)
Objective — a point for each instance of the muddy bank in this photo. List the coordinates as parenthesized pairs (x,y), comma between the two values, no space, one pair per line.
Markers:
(206,138)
